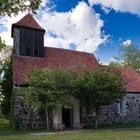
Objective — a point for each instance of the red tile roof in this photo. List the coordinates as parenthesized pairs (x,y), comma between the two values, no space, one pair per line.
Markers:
(54,58)
(131,79)
(61,58)
(28,21)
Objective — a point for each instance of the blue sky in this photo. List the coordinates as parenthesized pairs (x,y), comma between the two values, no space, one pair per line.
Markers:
(95,26)
(119,25)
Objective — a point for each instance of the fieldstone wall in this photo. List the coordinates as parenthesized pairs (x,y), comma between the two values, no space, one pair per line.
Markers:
(108,115)
(27,118)
(125,112)
(132,105)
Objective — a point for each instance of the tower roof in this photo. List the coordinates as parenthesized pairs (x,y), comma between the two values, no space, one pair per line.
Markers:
(28,21)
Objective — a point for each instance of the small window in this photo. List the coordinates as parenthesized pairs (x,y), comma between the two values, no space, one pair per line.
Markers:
(122,107)
(28,52)
(36,52)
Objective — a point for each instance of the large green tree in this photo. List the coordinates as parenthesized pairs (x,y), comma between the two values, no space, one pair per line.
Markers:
(99,88)
(6,88)
(5,78)
(48,88)
(129,56)
(2,44)
(8,7)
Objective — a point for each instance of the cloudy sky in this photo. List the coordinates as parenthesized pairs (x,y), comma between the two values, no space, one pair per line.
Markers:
(95,26)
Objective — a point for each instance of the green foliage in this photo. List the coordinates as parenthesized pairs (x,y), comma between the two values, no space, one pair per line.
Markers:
(15,122)
(5,78)
(8,7)
(6,88)
(48,88)
(114,64)
(13,119)
(2,44)
(129,56)
(100,88)
(4,124)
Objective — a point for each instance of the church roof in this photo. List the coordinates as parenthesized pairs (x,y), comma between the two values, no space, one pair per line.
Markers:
(54,58)
(62,58)
(131,79)
(29,22)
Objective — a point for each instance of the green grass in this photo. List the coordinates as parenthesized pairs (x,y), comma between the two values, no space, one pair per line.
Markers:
(120,125)
(114,132)
(5,128)
(133,134)
(4,124)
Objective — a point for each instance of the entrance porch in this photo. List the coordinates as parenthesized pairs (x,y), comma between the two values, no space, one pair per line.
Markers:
(67,117)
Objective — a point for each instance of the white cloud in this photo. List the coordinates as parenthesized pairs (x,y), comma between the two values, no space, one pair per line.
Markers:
(103,63)
(80,26)
(44,2)
(8,21)
(127,42)
(131,6)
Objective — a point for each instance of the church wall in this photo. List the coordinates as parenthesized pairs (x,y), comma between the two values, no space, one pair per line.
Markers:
(128,111)
(28,118)
(132,108)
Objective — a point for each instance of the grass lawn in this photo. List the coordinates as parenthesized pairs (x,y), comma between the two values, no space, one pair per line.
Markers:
(116,134)
(4,124)
(5,129)
(125,132)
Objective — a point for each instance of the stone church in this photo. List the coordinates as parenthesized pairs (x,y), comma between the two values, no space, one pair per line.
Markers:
(29,52)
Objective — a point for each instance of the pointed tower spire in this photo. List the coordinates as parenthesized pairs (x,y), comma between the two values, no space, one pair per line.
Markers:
(27,21)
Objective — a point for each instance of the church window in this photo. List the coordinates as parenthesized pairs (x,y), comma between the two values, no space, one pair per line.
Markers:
(36,52)
(28,52)
(122,107)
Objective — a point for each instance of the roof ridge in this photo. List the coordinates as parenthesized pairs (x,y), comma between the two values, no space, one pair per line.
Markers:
(68,50)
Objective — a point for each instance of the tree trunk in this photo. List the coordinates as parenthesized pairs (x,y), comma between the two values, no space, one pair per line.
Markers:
(47,119)
(97,119)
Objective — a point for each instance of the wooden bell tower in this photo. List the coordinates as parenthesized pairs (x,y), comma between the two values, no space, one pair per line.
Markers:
(28,37)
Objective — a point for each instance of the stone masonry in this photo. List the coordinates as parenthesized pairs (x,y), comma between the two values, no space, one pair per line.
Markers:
(28,118)
(127,111)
